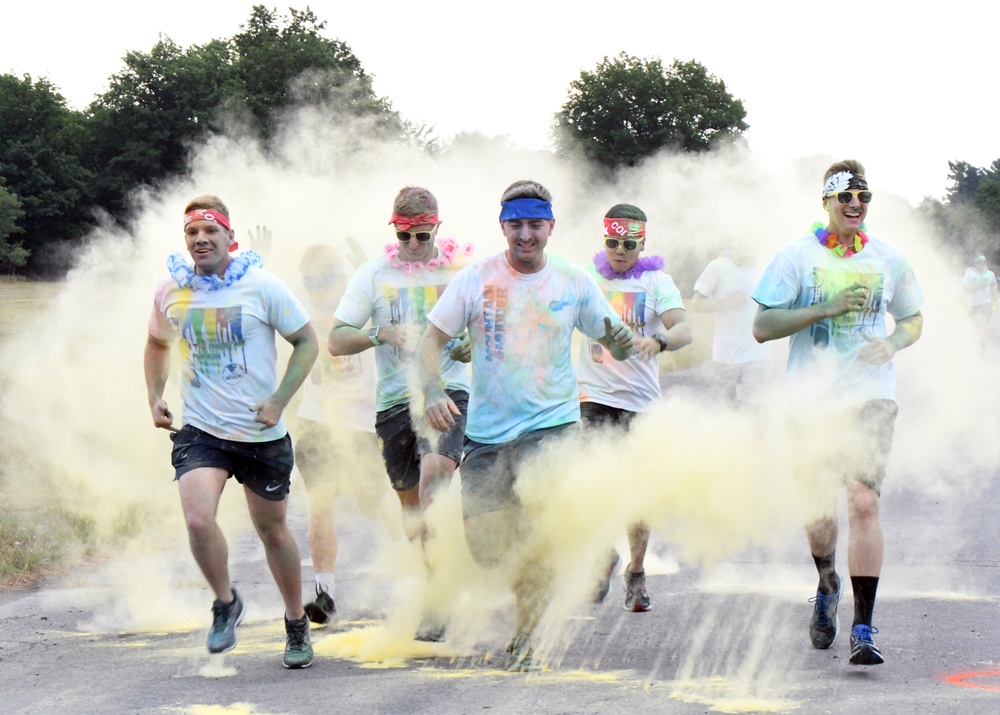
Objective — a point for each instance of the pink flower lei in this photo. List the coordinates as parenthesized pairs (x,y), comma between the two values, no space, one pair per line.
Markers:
(447,249)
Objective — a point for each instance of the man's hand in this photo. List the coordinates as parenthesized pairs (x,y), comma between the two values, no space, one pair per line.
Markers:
(877,351)
(852,298)
(462,352)
(161,415)
(647,347)
(620,335)
(268,413)
(261,242)
(439,410)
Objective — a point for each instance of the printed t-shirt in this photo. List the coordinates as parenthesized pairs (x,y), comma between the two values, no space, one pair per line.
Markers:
(227,348)
(521,327)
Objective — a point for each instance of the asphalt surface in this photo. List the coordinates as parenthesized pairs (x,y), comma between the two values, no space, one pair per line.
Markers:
(732,638)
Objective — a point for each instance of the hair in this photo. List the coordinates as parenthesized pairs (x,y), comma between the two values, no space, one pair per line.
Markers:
(320,259)
(852,165)
(206,201)
(526,189)
(413,201)
(626,211)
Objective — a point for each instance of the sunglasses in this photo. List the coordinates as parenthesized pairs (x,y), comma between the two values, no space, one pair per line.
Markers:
(630,244)
(422,236)
(845,197)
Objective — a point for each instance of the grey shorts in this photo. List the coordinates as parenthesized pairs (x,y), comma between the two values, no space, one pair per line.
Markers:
(490,471)
(263,467)
(322,455)
(402,447)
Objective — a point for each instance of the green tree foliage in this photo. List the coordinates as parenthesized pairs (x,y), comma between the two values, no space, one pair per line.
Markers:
(969,219)
(12,254)
(40,147)
(629,108)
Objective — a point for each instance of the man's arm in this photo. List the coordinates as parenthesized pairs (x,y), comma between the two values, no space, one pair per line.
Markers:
(156,367)
(438,407)
(777,323)
(881,350)
(305,348)
(345,339)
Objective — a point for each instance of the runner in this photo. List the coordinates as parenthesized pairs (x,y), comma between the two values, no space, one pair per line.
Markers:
(520,307)
(612,393)
(337,448)
(981,290)
(742,365)
(395,291)
(224,312)
(830,291)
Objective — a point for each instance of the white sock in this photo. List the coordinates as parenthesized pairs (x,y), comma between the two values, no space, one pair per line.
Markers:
(324,582)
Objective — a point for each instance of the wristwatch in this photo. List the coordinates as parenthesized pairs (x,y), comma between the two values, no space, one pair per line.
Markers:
(662,340)
(373,336)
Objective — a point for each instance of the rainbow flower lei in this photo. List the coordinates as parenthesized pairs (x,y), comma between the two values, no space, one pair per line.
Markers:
(447,250)
(829,240)
(184,275)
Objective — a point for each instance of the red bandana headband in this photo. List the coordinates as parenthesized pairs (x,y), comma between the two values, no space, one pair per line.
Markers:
(405,223)
(213,216)
(625,227)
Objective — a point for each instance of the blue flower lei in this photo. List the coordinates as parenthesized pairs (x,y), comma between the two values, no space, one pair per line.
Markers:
(184,274)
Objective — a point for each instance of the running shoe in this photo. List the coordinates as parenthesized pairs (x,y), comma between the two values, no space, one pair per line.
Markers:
(824,624)
(431,630)
(863,648)
(298,649)
(522,655)
(604,585)
(636,598)
(320,610)
(225,618)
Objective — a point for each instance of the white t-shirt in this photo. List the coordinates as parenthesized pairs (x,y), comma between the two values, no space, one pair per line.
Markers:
(632,384)
(521,327)
(804,273)
(387,295)
(979,287)
(226,340)
(340,391)
(733,342)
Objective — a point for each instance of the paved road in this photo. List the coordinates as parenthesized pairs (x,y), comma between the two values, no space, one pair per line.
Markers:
(127,636)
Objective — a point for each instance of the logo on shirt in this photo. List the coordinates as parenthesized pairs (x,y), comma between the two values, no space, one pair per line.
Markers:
(233,373)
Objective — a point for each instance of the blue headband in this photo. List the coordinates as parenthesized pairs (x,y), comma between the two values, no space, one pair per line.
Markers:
(525,208)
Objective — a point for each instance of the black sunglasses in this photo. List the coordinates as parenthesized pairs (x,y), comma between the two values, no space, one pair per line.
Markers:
(630,244)
(845,197)
(422,236)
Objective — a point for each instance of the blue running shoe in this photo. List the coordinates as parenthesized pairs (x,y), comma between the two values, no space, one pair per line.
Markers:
(824,624)
(225,618)
(863,648)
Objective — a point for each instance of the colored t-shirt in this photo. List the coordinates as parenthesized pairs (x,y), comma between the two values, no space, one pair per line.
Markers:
(804,273)
(733,342)
(521,327)
(340,391)
(979,287)
(388,295)
(632,384)
(227,348)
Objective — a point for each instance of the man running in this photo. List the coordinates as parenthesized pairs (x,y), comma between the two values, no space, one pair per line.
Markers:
(224,311)
(612,392)
(829,291)
(520,307)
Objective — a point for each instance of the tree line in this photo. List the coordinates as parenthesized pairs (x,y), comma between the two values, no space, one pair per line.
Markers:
(62,170)
(968,220)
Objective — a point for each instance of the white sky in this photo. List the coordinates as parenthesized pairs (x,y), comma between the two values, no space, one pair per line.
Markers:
(901,88)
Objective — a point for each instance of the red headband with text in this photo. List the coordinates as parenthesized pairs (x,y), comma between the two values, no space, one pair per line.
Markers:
(213,216)
(625,227)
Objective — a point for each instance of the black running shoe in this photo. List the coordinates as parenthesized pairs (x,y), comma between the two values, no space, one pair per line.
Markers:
(824,624)
(636,598)
(321,610)
(863,648)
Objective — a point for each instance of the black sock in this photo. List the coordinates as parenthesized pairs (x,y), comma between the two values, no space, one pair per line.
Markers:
(864,598)
(827,568)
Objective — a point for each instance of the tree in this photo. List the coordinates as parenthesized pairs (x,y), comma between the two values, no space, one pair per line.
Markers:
(283,61)
(40,163)
(12,255)
(628,108)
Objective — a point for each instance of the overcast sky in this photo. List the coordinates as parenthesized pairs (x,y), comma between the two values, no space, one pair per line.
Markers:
(903,90)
